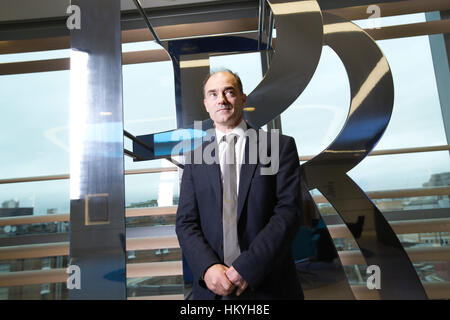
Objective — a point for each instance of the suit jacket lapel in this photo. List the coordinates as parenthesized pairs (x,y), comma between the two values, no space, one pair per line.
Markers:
(213,171)
(247,172)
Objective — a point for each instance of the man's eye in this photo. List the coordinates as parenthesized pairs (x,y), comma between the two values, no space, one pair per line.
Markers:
(229,92)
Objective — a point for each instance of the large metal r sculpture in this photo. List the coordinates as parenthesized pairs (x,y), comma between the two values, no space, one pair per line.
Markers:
(301,32)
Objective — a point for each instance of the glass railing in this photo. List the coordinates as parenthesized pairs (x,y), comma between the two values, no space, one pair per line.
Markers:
(34,248)
(35,269)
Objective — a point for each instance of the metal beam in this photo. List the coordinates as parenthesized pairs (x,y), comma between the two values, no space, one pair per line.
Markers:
(97,191)
(440,51)
(205,12)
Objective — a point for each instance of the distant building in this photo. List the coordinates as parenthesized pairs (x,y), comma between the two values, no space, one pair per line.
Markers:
(438,180)
(14,212)
(10,208)
(8,204)
(431,202)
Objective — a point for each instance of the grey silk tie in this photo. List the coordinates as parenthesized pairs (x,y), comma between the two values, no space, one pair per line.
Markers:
(229,214)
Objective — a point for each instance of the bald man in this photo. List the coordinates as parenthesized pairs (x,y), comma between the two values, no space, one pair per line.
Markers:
(235,224)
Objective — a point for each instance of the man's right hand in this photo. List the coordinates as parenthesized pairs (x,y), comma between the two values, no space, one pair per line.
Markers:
(217,281)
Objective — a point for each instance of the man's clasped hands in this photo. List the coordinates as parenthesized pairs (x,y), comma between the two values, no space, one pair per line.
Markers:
(223,280)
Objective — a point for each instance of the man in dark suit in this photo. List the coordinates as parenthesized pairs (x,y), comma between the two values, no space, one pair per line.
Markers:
(236,223)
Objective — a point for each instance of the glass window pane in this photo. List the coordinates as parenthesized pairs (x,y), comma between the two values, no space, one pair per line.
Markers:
(34,131)
(373,21)
(152,189)
(149,103)
(38,55)
(318,114)
(416,118)
(402,171)
(246,65)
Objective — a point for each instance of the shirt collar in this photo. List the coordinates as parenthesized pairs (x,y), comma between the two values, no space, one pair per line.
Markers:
(238,130)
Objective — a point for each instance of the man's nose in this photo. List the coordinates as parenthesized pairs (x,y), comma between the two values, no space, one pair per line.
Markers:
(222,98)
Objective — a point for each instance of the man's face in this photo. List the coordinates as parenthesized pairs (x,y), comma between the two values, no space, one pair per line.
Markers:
(223,100)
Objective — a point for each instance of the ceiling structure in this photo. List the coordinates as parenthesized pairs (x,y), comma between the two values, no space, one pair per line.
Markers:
(19,10)
(33,19)
(12,11)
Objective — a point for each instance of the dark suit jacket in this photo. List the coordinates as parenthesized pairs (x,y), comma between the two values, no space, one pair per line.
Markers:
(269,216)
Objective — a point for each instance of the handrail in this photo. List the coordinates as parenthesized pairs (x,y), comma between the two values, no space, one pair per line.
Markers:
(67,176)
(155,269)
(416,254)
(434,290)
(13,221)
(152,243)
(153,211)
(399,193)
(64,217)
(23,278)
(399,227)
(394,151)
(168,169)
(159,211)
(29,251)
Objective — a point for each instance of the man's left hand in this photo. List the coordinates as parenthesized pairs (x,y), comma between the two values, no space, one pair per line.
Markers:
(237,280)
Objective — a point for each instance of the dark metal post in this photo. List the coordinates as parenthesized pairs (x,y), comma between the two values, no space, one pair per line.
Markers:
(440,51)
(97,200)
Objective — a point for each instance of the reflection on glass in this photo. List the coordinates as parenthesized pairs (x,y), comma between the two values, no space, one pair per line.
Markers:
(11,231)
(151,190)
(403,171)
(158,255)
(154,286)
(51,291)
(390,21)
(79,81)
(416,119)
(33,56)
(318,114)
(149,103)
(34,198)
(34,126)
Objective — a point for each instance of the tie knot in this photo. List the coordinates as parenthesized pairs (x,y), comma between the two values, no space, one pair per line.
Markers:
(230,138)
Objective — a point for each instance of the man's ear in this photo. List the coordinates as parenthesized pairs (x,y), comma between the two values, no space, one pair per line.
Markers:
(244,99)
(204,104)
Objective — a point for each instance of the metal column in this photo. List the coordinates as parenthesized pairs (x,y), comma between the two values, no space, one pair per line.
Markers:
(97,200)
(440,51)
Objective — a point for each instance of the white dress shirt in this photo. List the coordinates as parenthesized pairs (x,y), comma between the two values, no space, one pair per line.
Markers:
(239,148)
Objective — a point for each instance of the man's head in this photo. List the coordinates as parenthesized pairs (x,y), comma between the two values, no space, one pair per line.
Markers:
(224,99)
